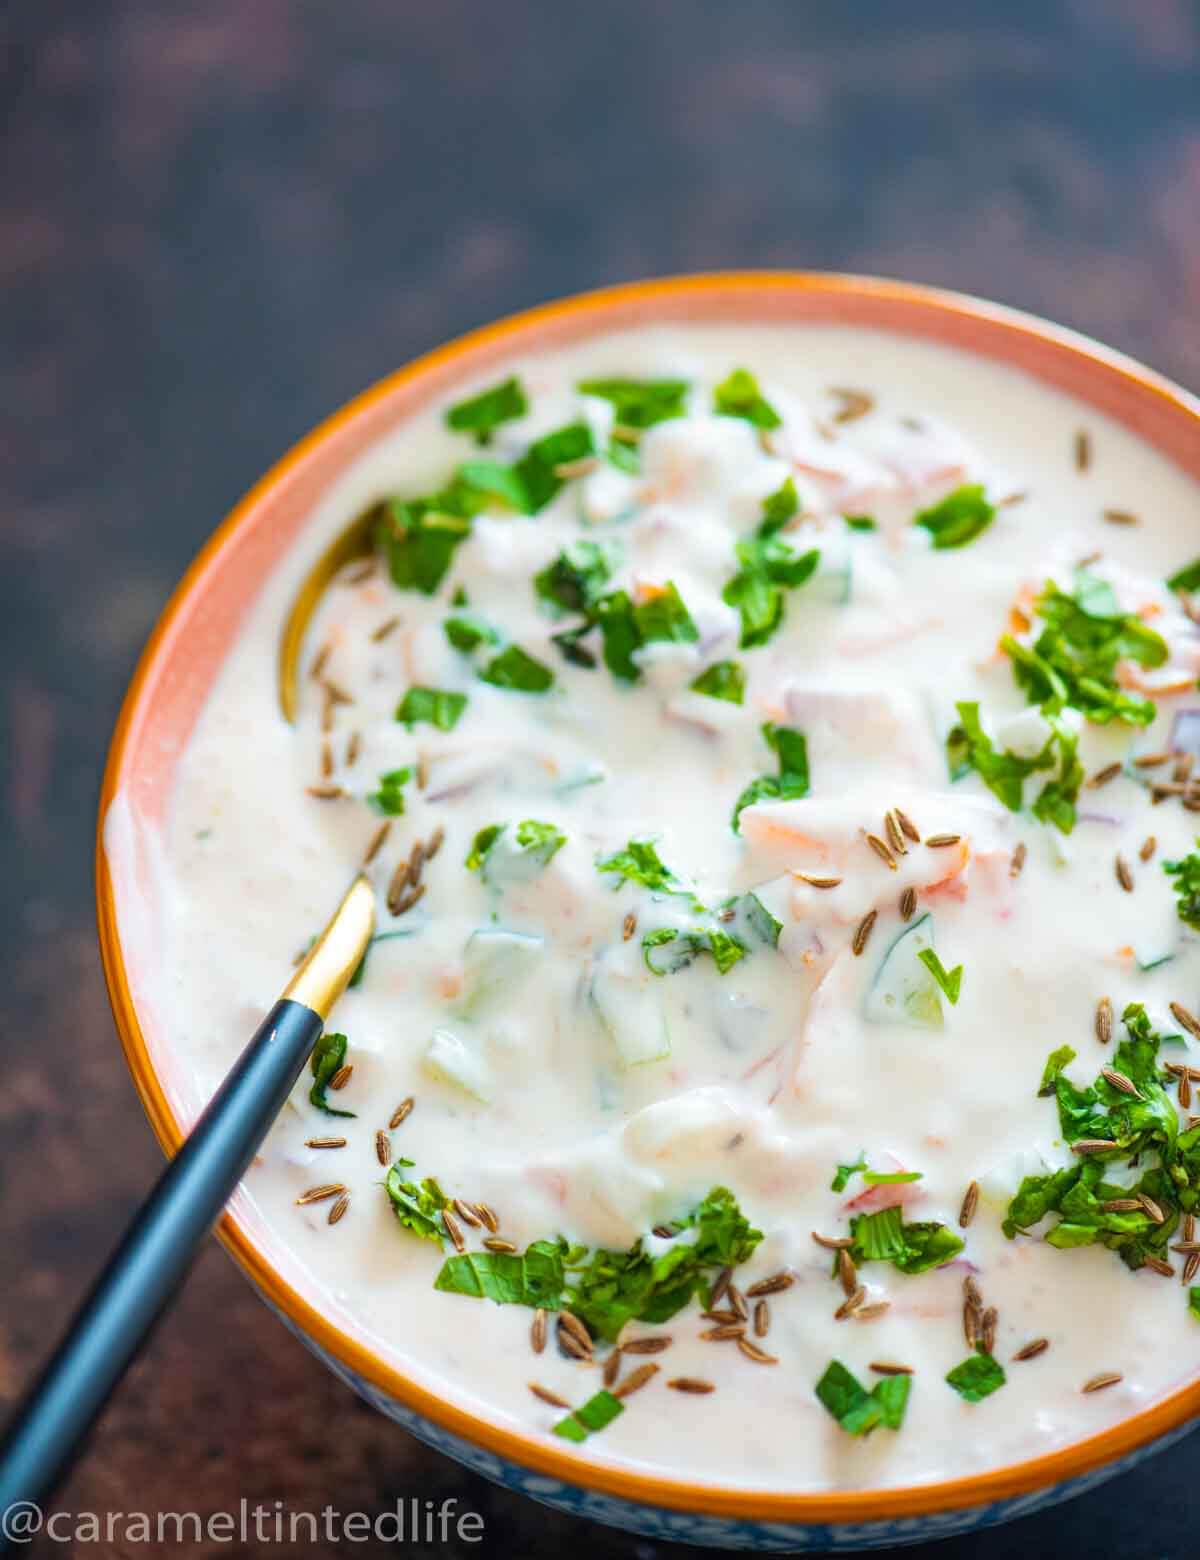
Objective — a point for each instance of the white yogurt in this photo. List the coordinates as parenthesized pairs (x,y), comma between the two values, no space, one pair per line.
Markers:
(765,1078)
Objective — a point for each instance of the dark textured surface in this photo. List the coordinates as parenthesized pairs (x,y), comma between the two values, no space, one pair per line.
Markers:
(218,221)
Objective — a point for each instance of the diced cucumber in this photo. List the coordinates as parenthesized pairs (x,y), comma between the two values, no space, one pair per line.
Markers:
(633,1016)
(496,964)
(451,1059)
(904,991)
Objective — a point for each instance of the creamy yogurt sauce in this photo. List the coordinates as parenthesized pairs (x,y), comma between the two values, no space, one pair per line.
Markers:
(617,1001)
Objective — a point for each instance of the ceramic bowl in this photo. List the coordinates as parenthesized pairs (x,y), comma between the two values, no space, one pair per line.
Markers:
(171,683)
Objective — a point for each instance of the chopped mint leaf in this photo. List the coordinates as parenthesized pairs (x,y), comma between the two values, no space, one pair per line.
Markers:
(767,567)
(949,980)
(481,844)
(857,1410)
(761,922)
(434,706)
(416,1207)
(890,1177)
(792,780)
(1186,872)
(959,518)
(530,484)
(969,747)
(977,1377)
(459,598)
(739,396)
(515,669)
(418,536)
(482,414)
(1187,578)
(861,522)
(599,1410)
(389,798)
(466,632)
(683,946)
(533,1277)
(619,633)
(538,841)
(778,508)
(1073,661)
(722,680)
(883,1236)
(575,581)
(640,403)
(1194,1301)
(842,1179)
(639,862)
(662,616)
(328,1057)
(1055,1063)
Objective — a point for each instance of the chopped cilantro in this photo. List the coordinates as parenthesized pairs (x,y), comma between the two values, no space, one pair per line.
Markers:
(662,616)
(514,668)
(791,782)
(959,518)
(683,946)
(857,1410)
(435,706)
(977,1377)
(533,481)
(328,1057)
(482,414)
(968,747)
(599,1410)
(389,798)
(1055,1063)
(778,508)
(416,1206)
(639,862)
(640,403)
(1186,872)
(466,632)
(949,980)
(883,1236)
(722,680)
(418,536)
(575,581)
(767,567)
(739,396)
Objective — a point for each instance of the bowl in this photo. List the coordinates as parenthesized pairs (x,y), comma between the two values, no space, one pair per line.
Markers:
(165,697)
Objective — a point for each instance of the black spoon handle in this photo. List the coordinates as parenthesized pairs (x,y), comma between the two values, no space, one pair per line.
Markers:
(153,1257)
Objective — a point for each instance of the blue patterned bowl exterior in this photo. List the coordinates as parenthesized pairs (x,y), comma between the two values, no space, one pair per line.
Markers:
(684,1527)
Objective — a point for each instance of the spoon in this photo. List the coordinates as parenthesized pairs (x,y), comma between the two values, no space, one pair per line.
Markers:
(156,1252)
(356,541)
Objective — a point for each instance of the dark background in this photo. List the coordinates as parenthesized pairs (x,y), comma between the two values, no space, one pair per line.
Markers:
(220,220)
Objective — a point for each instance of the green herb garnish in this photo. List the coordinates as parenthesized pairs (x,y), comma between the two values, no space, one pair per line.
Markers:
(416,1206)
(1055,1063)
(418,536)
(515,669)
(466,632)
(482,414)
(1194,1301)
(540,842)
(639,862)
(434,706)
(599,1410)
(739,396)
(861,522)
(722,680)
(1186,872)
(968,747)
(1187,578)
(792,779)
(530,484)
(328,1056)
(640,403)
(779,507)
(845,1173)
(949,980)
(857,1410)
(575,581)
(389,798)
(767,567)
(977,1377)
(681,947)
(958,519)
(842,1179)
(883,1236)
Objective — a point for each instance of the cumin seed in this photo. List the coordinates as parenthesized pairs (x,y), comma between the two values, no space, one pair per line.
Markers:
(721,1315)
(830,1243)
(724,1332)
(1084,1146)
(319,662)
(814,881)
(1157,1265)
(691,1384)
(325,793)
(401,1113)
(567,469)
(537,1330)
(1190,1266)
(868,1313)
(1182,1016)
(987,1329)
(1121,1205)
(453,1230)
(894,833)
(407,900)
(907,825)
(320,1194)
(882,852)
(572,1347)
(654,1345)
(1032,1350)
(379,634)
(937,841)
(1104,1020)
(612,1368)
(1186,1248)
(376,842)
(753,1352)
(339,1208)
(635,1380)
(971,1291)
(326,759)
(850,1304)
(735,1298)
(1124,875)
(336,693)
(434,843)
(466,1213)
(498,1243)
(547,1396)
(1151,760)
(855,404)
(720,1285)
(1120,517)
(770,1286)
(762,1318)
(628,926)
(488,1217)
(1107,1378)
(969,1204)
(1183,766)
(1010,499)
(1149,845)
(353,747)
(971,1318)
(847,1272)
(327,708)
(1103,776)
(1083,450)
(1020,851)
(862,931)
(887,1368)
(331,1142)
(383,1147)
(362,574)
(342,1077)
(1120,1082)
(1189,1226)
(908,903)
